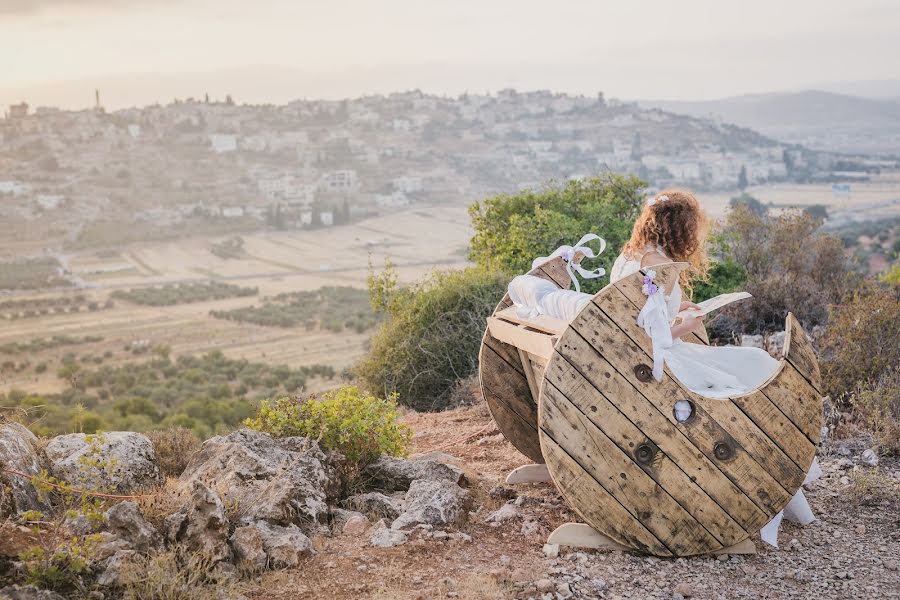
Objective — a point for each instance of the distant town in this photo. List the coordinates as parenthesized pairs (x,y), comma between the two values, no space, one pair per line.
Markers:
(216,166)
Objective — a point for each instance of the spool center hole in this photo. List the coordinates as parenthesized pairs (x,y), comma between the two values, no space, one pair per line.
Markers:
(683,411)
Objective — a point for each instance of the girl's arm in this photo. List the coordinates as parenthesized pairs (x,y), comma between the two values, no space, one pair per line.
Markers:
(687,325)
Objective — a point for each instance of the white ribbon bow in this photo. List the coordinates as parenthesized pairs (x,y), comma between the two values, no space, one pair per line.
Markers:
(568,254)
(654,318)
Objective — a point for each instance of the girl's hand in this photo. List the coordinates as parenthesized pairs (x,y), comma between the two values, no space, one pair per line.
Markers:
(687,304)
(687,325)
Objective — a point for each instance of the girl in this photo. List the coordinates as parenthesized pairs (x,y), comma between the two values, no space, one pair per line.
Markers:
(673,228)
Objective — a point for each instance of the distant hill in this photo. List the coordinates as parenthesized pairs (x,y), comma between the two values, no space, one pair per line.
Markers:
(817,119)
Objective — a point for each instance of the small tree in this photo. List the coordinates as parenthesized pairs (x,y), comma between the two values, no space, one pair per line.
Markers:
(742,178)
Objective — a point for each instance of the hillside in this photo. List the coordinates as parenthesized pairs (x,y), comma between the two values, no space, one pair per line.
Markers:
(821,120)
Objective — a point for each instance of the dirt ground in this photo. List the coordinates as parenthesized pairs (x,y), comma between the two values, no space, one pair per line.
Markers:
(849,552)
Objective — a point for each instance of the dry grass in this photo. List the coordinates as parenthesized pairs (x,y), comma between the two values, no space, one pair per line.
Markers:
(175,574)
(872,487)
(174,448)
(160,502)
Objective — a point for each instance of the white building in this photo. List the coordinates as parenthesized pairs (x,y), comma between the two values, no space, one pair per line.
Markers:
(223,142)
(339,181)
(232,212)
(408,184)
(395,200)
(12,187)
(326,218)
(134,130)
(49,201)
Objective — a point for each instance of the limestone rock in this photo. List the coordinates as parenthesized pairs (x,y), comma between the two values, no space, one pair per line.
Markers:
(869,458)
(112,573)
(391,474)
(435,503)
(752,341)
(339,516)
(375,505)
(383,537)
(280,481)
(122,461)
(506,512)
(356,526)
(201,524)
(19,453)
(126,521)
(262,545)
(27,592)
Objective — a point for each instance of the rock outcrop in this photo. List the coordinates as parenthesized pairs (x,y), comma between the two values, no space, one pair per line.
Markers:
(121,461)
(126,521)
(18,452)
(281,481)
(201,524)
(261,545)
(375,505)
(390,474)
(436,503)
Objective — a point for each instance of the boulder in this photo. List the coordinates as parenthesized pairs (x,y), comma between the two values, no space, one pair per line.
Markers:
(120,461)
(775,346)
(201,524)
(112,570)
(752,341)
(384,537)
(391,474)
(282,481)
(434,503)
(262,545)
(18,452)
(355,526)
(27,592)
(375,505)
(126,521)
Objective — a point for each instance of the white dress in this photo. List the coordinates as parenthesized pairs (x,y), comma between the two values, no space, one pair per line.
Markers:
(711,371)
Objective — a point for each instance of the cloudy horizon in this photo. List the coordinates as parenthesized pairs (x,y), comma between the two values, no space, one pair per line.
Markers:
(138,52)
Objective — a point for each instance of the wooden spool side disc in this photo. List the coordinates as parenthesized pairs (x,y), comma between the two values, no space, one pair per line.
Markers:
(633,472)
(503,381)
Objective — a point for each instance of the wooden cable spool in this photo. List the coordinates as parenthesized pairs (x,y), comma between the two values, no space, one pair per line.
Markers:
(634,472)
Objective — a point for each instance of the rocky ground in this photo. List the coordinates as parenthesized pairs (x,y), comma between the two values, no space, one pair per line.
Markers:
(851,551)
(442,525)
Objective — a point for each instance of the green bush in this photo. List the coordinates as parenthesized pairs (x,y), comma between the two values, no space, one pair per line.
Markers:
(512,230)
(357,424)
(431,334)
(789,265)
(171,294)
(860,343)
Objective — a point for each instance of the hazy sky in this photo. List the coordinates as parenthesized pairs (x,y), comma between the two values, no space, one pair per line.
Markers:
(140,51)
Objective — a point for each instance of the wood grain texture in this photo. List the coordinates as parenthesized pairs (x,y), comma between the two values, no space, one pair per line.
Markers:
(799,352)
(695,486)
(503,380)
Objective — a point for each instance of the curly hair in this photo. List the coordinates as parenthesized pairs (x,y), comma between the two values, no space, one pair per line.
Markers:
(679,226)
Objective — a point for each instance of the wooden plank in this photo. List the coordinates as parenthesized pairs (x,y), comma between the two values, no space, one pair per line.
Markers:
(623,354)
(778,428)
(798,400)
(518,431)
(571,479)
(506,351)
(537,473)
(728,416)
(511,385)
(541,322)
(555,271)
(586,363)
(671,476)
(529,375)
(533,342)
(649,504)
(799,352)
(580,535)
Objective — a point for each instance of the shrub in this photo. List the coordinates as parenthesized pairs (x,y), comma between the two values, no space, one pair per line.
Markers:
(790,267)
(877,405)
(174,447)
(431,334)
(175,574)
(357,424)
(860,344)
(512,230)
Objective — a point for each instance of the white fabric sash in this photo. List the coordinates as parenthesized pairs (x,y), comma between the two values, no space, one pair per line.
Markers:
(568,254)
(654,318)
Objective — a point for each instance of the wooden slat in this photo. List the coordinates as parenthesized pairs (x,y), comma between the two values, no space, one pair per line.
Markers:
(647,503)
(703,430)
(541,322)
(533,385)
(526,439)
(669,474)
(506,351)
(587,364)
(799,352)
(512,386)
(555,271)
(798,400)
(533,342)
(603,514)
